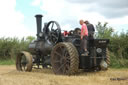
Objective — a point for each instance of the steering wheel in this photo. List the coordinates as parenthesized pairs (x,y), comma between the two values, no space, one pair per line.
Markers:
(53,31)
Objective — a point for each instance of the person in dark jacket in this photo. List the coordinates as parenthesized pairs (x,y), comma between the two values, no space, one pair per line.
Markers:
(91,30)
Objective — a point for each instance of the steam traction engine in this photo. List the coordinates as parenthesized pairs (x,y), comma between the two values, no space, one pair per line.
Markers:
(62,53)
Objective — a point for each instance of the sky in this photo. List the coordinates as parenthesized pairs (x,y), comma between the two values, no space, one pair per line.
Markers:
(17,16)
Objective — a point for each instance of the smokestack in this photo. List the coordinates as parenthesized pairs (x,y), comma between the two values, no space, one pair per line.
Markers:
(39,24)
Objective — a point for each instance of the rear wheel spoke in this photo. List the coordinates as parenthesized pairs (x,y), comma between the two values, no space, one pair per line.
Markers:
(57,61)
(60,67)
(58,54)
(64,69)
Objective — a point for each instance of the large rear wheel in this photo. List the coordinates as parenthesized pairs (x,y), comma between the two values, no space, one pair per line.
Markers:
(24,61)
(64,59)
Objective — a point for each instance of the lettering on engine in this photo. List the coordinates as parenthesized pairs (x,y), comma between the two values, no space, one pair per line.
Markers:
(102,41)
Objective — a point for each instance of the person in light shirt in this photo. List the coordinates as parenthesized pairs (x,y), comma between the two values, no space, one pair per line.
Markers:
(84,36)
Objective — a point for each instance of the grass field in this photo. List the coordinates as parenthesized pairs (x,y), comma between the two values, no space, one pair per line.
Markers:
(9,76)
(7,62)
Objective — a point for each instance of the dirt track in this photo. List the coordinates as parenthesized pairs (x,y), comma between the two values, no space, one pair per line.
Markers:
(9,76)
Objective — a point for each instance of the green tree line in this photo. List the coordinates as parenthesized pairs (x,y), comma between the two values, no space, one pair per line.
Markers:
(118,46)
(9,47)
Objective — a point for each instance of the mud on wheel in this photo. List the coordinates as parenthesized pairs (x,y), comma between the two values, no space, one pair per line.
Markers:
(64,59)
(24,61)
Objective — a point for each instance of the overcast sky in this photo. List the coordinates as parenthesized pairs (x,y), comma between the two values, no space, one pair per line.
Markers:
(17,16)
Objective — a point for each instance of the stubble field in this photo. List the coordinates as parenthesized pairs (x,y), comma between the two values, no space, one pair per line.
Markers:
(10,76)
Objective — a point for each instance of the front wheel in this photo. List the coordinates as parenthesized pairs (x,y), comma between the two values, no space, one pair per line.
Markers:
(24,61)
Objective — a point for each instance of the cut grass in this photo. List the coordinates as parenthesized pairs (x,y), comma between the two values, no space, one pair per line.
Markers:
(9,76)
(7,62)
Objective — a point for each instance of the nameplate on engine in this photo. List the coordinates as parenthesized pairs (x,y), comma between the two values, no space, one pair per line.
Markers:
(103,41)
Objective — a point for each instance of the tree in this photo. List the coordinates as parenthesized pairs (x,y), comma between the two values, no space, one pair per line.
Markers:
(103,31)
(30,38)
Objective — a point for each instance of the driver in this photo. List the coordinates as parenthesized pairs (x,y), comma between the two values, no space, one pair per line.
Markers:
(84,36)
